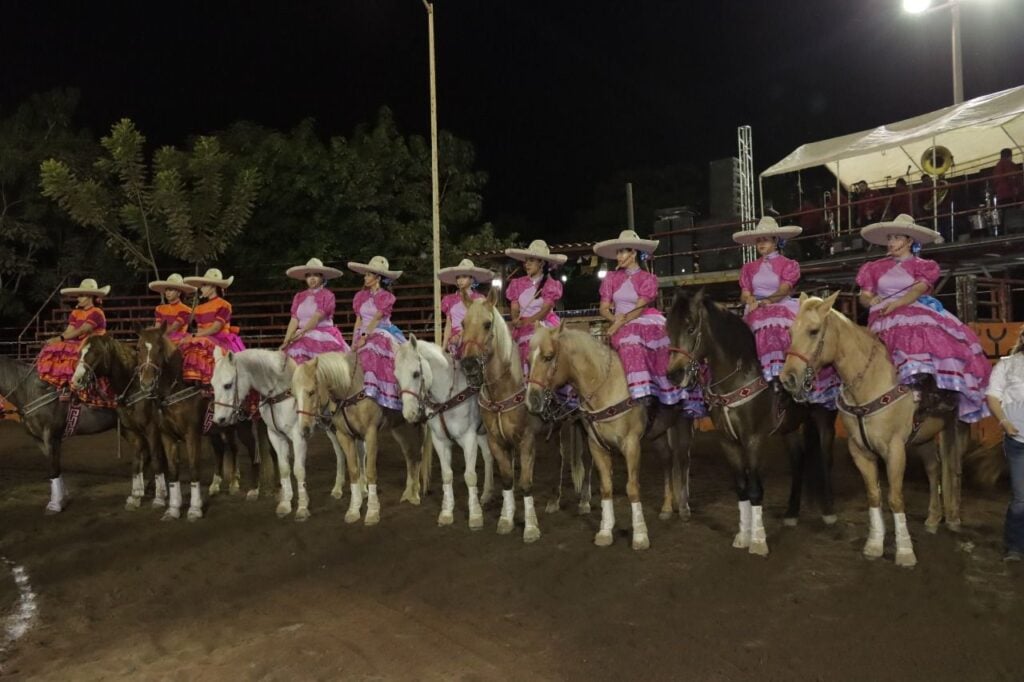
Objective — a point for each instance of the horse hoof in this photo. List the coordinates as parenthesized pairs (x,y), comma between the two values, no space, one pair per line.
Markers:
(235,488)
(954,526)
(551,507)
(741,541)
(214,489)
(171,514)
(829,519)
(413,499)
(194,513)
(684,514)
(351,516)
(641,541)
(445,518)
(337,493)
(52,509)
(583,509)
(665,515)
(504,526)
(873,550)
(603,538)
(252,495)
(476,522)
(159,502)
(906,558)
(759,548)
(486,497)
(302,514)
(372,518)
(132,503)
(790,521)
(531,534)
(932,528)
(283,509)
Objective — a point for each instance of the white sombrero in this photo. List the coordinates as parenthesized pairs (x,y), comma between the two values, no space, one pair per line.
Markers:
(313,266)
(213,277)
(766,227)
(88,287)
(378,265)
(878,233)
(538,249)
(175,282)
(465,268)
(628,239)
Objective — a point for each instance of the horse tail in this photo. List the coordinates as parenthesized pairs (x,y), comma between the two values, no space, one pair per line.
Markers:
(426,459)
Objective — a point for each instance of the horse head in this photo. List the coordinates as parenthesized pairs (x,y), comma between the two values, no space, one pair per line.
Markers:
(686,327)
(813,344)
(230,387)
(478,329)
(310,396)
(93,358)
(152,352)
(415,377)
(548,368)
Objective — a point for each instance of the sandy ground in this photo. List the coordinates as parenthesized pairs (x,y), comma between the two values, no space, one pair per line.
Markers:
(244,595)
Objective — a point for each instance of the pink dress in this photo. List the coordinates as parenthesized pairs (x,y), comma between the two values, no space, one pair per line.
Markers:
(322,338)
(454,307)
(197,351)
(771,322)
(377,356)
(643,343)
(524,291)
(923,338)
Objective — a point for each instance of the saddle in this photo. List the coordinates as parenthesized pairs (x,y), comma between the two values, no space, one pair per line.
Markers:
(931,400)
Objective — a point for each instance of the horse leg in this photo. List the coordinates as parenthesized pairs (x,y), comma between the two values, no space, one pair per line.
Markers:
(734,456)
(469,442)
(171,450)
(51,443)
(160,459)
(355,502)
(219,443)
(797,453)
(581,470)
(372,501)
(249,437)
(194,445)
(338,491)
(443,448)
(564,451)
(755,489)
(824,422)
(506,520)
(954,439)
(407,436)
(896,464)
(134,500)
(603,461)
(669,464)
(680,440)
(867,464)
(631,451)
(282,447)
(527,454)
(485,451)
(930,457)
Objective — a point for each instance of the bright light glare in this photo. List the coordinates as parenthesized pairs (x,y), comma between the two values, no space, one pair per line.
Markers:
(602,273)
(496,282)
(565,278)
(916,6)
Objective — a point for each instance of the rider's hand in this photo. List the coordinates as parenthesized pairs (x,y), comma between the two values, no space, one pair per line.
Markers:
(1010,429)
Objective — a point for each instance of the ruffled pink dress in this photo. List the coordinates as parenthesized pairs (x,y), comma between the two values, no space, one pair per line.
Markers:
(377,356)
(523,290)
(324,337)
(454,307)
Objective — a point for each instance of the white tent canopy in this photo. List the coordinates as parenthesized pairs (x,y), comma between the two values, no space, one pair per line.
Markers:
(974,132)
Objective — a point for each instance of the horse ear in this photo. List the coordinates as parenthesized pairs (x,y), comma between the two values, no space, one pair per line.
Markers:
(803,297)
(492,297)
(698,297)
(829,302)
(231,357)
(412,340)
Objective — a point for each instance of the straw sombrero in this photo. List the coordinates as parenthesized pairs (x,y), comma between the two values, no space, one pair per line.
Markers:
(628,239)
(378,265)
(878,233)
(213,277)
(465,268)
(175,282)
(314,266)
(88,287)
(766,227)
(538,249)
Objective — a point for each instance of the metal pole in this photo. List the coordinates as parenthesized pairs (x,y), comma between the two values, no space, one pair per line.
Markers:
(435,191)
(630,220)
(958,68)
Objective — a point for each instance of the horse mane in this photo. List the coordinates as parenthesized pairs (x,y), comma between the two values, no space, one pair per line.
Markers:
(335,369)
(431,352)
(504,346)
(728,330)
(265,366)
(584,342)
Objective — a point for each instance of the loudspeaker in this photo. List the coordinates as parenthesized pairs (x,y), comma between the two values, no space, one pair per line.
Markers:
(675,253)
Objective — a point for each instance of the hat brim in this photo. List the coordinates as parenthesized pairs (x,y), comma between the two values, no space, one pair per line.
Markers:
(363,268)
(300,272)
(202,281)
(750,237)
(878,233)
(160,286)
(77,291)
(609,247)
(449,275)
(523,254)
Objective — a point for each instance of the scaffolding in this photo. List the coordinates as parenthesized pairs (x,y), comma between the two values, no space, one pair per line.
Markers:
(745,145)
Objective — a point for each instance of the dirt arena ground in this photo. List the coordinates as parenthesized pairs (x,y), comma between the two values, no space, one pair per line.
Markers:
(244,595)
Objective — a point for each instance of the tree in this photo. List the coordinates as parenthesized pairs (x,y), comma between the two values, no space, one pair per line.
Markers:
(190,205)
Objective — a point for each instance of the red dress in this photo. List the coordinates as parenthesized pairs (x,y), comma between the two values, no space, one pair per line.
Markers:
(57,361)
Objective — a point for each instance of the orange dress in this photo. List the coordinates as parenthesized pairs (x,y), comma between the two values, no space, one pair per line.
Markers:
(169,313)
(197,352)
(57,361)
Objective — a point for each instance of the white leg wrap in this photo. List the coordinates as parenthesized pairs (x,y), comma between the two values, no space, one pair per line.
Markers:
(57,495)
(904,545)
(215,484)
(508,511)
(640,538)
(476,513)
(372,505)
(742,539)
(607,516)
(195,503)
(175,501)
(876,533)
(160,484)
(138,485)
(355,502)
(531,530)
(758,538)
(448,499)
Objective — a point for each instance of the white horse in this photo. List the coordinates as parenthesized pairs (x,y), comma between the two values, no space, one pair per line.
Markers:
(435,389)
(270,374)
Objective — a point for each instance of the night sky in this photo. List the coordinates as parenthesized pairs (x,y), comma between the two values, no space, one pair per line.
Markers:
(556,95)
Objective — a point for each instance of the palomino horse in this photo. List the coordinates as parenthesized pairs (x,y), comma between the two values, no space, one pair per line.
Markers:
(105,357)
(186,415)
(747,410)
(331,386)
(435,390)
(491,361)
(879,418)
(45,418)
(269,373)
(616,421)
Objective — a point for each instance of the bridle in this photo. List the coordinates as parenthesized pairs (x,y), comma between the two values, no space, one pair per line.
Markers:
(809,373)
(692,354)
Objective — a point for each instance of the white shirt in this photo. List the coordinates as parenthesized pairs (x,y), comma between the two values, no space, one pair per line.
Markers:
(1007,384)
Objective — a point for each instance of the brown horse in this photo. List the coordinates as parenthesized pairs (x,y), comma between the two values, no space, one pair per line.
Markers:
(105,357)
(615,421)
(490,360)
(881,417)
(331,385)
(185,415)
(746,410)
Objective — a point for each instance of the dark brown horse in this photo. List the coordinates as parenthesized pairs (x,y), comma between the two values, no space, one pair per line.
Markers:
(184,415)
(45,418)
(106,357)
(747,410)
